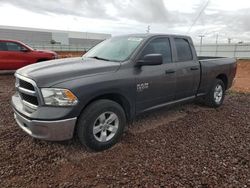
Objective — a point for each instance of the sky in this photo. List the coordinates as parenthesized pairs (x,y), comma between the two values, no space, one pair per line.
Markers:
(221,19)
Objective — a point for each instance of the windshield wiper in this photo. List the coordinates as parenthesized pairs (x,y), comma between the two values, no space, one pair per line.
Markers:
(99,58)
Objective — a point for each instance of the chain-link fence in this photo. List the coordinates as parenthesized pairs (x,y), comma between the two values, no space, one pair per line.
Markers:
(224,50)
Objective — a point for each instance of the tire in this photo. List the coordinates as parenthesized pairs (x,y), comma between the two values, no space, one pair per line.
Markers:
(216,95)
(41,60)
(101,125)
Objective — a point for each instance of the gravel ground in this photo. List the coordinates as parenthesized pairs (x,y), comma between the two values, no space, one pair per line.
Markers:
(187,146)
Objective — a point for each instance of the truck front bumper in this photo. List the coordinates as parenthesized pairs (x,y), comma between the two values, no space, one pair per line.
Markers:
(48,130)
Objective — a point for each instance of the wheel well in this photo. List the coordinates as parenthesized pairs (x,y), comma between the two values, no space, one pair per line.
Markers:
(116,98)
(224,79)
(39,60)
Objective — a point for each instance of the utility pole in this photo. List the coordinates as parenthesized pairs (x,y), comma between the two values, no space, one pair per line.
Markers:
(148,29)
(201,40)
(216,41)
(216,47)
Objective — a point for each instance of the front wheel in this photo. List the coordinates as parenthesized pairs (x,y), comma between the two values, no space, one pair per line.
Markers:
(216,95)
(101,125)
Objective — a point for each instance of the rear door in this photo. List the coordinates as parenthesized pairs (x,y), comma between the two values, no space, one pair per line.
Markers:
(155,84)
(187,68)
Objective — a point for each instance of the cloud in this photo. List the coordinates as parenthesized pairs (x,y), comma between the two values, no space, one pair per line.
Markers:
(229,19)
(145,11)
(75,7)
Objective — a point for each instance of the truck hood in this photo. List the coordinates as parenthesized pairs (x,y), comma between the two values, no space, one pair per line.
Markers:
(49,73)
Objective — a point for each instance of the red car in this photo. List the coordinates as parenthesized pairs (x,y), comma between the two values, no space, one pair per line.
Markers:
(15,54)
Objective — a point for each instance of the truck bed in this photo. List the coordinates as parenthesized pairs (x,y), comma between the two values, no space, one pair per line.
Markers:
(211,67)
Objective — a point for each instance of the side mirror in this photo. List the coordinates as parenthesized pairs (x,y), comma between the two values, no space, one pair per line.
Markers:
(24,50)
(151,59)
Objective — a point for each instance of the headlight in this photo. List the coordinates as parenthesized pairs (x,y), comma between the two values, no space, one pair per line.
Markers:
(58,97)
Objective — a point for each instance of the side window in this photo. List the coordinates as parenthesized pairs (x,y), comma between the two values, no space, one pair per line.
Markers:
(159,46)
(13,46)
(184,52)
(3,46)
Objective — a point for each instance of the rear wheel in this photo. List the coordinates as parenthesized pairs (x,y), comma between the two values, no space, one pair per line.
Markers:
(216,95)
(101,125)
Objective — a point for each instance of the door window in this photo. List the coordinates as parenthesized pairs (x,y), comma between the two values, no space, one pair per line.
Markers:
(12,46)
(159,46)
(184,52)
(3,46)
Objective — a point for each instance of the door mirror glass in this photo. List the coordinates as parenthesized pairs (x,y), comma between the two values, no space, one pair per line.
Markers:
(151,59)
(24,49)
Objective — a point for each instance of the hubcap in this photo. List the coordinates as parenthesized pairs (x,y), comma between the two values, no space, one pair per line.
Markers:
(105,126)
(218,93)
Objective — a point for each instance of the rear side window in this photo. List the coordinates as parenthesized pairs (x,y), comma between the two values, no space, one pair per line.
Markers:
(159,46)
(184,52)
(3,46)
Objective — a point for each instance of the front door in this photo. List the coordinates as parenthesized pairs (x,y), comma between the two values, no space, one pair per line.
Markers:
(155,84)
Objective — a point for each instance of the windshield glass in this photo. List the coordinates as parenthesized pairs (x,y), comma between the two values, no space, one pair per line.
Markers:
(115,49)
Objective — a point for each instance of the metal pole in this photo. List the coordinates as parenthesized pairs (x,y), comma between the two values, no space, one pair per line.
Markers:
(201,38)
(235,49)
(148,29)
(216,47)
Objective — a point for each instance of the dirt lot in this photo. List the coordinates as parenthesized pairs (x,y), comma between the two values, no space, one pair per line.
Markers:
(187,146)
(243,76)
(65,54)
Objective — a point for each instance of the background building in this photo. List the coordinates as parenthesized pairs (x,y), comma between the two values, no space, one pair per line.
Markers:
(53,39)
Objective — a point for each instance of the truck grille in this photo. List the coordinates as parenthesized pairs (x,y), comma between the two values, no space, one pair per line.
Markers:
(28,92)
(26,85)
(28,98)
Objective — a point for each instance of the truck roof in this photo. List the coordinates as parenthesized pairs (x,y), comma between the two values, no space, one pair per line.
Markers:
(148,35)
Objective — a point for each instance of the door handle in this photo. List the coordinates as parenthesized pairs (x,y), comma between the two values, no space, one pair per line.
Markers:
(170,71)
(194,68)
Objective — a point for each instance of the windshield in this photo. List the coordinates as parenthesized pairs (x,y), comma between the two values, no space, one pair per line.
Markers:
(115,49)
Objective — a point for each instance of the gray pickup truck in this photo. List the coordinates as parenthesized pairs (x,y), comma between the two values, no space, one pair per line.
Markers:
(95,95)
